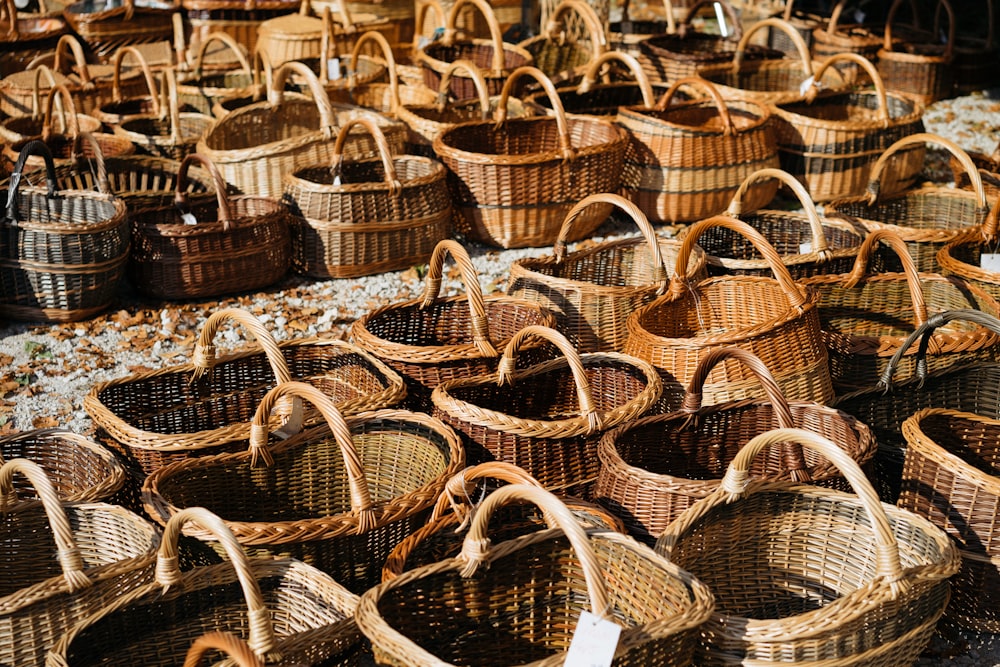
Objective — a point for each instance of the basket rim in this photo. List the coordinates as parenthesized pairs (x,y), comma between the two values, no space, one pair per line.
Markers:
(928,448)
(915,113)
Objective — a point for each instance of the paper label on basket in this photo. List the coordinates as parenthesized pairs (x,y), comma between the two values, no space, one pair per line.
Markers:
(990,261)
(423,41)
(859,16)
(336,179)
(805,248)
(594,642)
(333,69)
(189,219)
(805,85)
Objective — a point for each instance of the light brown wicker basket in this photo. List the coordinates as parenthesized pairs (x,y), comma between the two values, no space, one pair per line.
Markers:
(560,54)
(922,70)
(202,86)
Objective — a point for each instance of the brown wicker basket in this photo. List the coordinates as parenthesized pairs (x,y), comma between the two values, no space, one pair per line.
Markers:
(924,71)
(379,475)
(775,554)
(27,36)
(229,644)
(526,605)
(656,467)
(592,291)
(835,39)
(361,217)
(972,255)
(431,339)
(803,22)
(383,97)
(684,162)
(117,109)
(296,36)
(202,87)
(23,128)
(106,25)
(563,56)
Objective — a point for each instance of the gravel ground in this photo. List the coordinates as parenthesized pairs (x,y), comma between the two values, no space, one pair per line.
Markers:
(47,369)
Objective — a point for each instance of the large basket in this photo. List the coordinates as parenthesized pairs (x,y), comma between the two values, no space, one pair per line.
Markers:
(361,217)
(526,606)
(288,612)
(808,245)
(656,467)
(106,25)
(772,317)
(923,71)
(685,162)
(62,562)
(776,557)
(592,291)
(835,39)
(62,253)
(831,140)
(431,339)
(547,418)
(560,54)
(339,496)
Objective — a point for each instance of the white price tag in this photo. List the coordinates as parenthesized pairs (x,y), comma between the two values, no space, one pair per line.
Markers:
(594,642)
(805,248)
(189,219)
(423,41)
(336,180)
(859,16)
(806,84)
(990,261)
(333,69)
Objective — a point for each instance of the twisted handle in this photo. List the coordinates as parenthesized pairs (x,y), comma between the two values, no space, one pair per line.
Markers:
(819,242)
(381,143)
(562,126)
(116,85)
(496,36)
(478,81)
(784,26)
(70,42)
(33,147)
(457,489)
(103,185)
(861,265)
(390,60)
(60,91)
(728,129)
(875,180)
(230,43)
(866,65)
(234,647)
(275,94)
(609,57)
(180,190)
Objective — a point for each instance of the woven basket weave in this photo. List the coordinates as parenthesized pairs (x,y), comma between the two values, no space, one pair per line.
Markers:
(105,25)
(923,71)
(834,39)
(202,86)
(561,55)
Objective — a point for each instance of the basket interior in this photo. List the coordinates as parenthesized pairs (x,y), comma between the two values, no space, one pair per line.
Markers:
(704,116)
(927,208)
(366,171)
(261,124)
(478,52)
(977,443)
(449,322)
(854,107)
(620,265)
(191,126)
(786,232)
(528,136)
(72,468)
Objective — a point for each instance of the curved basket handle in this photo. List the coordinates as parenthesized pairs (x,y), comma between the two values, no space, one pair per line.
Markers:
(70,42)
(227,40)
(37,112)
(860,270)
(234,647)
(420,19)
(33,147)
(883,105)
(346,20)
(8,7)
(478,81)
(562,126)
(261,639)
(390,59)
(819,242)
(875,179)
(728,129)
(70,558)
(949,47)
(608,57)
(797,297)
(784,26)
(834,23)
(457,489)
(555,28)
(475,547)
(180,189)
(727,9)
(496,35)
(116,86)
(507,373)
(660,271)
(473,292)
(385,153)
(69,107)
(103,185)
(262,65)
(275,94)
(361,500)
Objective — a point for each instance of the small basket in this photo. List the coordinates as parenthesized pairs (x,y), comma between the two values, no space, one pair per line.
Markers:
(802,22)
(835,39)
(201,88)
(970,256)
(592,291)
(685,162)
(656,467)
(923,71)
(561,56)
(547,418)
(27,36)
(297,36)
(776,557)
(24,128)
(107,25)
(431,339)
(525,607)
(626,35)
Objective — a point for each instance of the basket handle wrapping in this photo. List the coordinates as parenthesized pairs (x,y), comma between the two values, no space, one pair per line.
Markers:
(949,47)
(641,80)
(103,185)
(883,105)
(227,40)
(70,42)
(660,272)
(37,112)
(180,190)
(477,306)
(860,269)
(361,500)
(555,28)
(784,26)
(116,85)
(33,147)
(496,36)
(875,180)
(797,297)
(475,547)
(70,558)
(478,81)
(819,242)
(728,129)
(734,20)
(390,60)
(737,484)
(457,489)
(234,647)
(276,94)
(385,153)
(507,368)
(990,225)
(69,108)
(260,631)
(562,126)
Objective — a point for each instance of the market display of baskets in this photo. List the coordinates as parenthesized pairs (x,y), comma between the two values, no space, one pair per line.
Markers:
(23,128)
(27,36)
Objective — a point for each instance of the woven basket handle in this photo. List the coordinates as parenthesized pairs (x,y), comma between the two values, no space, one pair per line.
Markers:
(420,20)
(949,44)
(819,242)
(727,9)
(478,81)
(562,126)
(33,147)
(474,293)
(475,547)
(37,112)
(276,94)
(73,44)
(116,86)
(507,368)
(608,57)
(797,297)
(496,35)
(103,185)
(555,28)
(361,500)
(457,489)
(228,41)
(224,215)
(860,269)
(390,60)
(235,648)
(346,21)
(70,558)
(660,272)
(883,105)
(834,23)
(875,180)
(69,108)
(737,485)
(382,144)
(728,128)
(260,630)
(784,26)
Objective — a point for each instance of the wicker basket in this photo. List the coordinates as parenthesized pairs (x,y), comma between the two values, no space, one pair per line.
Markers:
(525,607)
(685,161)
(24,128)
(804,23)
(62,253)
(774,318)
(547,418)
(835,39)
(926,217)
(592,291)
(785,594)
(812,135)
(971,255)
(808,245)
(361,217)
(234,648)
(563,56)
(924,71)
(377,95)
(427,340)
(62,562)
(656,467)
(339,496)
(289,37)
(27,36)
(288,612)
(117,109)
(107,25)
(202,87)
